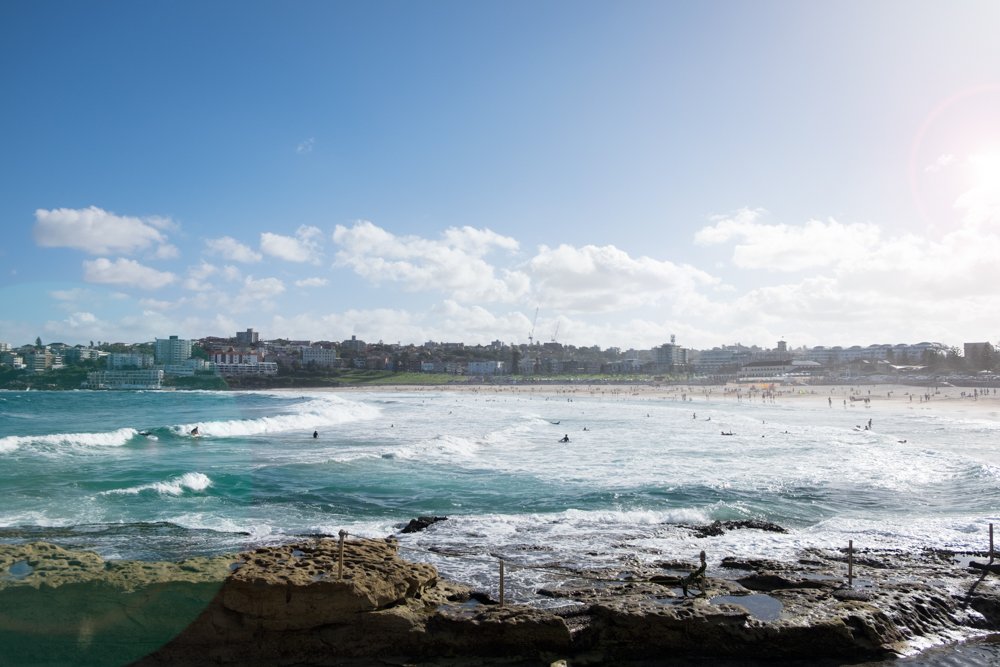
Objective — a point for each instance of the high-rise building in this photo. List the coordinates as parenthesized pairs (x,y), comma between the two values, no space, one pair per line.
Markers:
(172,350)
(247,338)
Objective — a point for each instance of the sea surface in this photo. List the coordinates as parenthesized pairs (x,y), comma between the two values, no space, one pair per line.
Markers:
(120,473)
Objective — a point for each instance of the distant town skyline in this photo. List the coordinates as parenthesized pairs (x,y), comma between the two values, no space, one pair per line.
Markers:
(594,173)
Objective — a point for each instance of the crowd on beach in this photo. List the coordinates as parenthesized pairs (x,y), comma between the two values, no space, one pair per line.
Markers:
(846,396)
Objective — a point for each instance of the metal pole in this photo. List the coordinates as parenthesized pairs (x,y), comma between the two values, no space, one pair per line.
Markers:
(501,583)
(850,563)
(340,560)
(991,542)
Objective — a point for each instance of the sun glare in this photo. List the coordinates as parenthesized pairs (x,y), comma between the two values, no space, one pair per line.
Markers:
(985,170)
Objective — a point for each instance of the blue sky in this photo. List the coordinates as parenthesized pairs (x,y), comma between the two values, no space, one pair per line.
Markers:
(825,173)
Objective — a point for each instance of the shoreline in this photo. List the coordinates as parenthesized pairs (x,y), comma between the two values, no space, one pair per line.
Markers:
(945,398)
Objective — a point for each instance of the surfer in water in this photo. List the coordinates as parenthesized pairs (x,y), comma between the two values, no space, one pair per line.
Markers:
(194,432)
(315,434)
(565,438)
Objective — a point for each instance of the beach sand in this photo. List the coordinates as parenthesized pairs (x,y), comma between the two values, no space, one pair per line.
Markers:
(982,403)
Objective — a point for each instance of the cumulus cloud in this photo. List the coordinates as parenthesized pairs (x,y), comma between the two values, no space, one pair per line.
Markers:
(231,273)
(862,279)
(303,247)
(311,282)
(454,264)
(198,277)
(167,251)
(263,288)
(125,272)
(780,247)
(97,231)
(80,325)
(229,248)
(607,279)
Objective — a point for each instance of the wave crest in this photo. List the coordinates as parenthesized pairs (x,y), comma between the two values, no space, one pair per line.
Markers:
(190,481)
(115,438)
(313,414)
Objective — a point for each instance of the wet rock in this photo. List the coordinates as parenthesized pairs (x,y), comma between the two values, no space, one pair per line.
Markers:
(717,528)
(421,523)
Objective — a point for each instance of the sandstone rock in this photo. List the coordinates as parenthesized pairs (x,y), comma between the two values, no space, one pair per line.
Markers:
(290,605)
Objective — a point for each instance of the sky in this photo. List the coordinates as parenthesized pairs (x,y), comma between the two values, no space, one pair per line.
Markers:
(595,173)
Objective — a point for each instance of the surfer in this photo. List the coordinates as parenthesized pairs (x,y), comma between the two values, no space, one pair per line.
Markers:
(146,433)
(315,434)
(194,432)
(565,438)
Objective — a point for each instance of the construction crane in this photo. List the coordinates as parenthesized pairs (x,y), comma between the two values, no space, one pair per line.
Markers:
(531,334)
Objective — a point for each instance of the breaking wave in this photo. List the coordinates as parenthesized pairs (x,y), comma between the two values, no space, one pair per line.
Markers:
(115,438)
(191,481)
(312,414)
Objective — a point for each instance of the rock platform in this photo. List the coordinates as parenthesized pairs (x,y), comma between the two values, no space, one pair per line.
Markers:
(294,605)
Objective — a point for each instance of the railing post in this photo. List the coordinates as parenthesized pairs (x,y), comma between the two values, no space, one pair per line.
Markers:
(850,563)
(991,542)
(340,559)
(501,583)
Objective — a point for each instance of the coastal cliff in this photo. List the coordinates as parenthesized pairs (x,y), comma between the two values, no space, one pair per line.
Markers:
(290,605)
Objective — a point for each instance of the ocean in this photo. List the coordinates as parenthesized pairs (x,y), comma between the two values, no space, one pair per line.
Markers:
(119,473)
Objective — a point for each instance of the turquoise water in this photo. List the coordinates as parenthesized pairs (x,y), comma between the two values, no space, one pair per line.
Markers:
(76,469)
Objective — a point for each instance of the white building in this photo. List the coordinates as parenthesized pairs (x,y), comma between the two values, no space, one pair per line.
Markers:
(484,368)
(172,350)
(118,360)
(148,378)
(319,356)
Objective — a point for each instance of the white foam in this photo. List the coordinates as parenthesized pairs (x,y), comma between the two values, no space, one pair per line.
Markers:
(314,414)
(190,481)
(115,438)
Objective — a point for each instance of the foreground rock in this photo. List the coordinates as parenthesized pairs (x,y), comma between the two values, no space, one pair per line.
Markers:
(294,605)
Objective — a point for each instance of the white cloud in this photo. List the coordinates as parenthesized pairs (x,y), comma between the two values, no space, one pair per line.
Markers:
(229,248)
(387,324)
(198,275)
(782,247)
(896,287)
(96,231)
(263,288)
(303,247)
(125,272)
(74,294)
(943,161)
(312,282)
(305,146)
(455,264)
(167,251)
(159,304)
(231,273)
(605,279)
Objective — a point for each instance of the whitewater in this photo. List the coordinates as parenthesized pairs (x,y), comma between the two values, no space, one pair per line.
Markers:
(120,474)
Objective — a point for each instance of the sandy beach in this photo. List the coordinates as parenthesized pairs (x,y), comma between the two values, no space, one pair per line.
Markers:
(971,401)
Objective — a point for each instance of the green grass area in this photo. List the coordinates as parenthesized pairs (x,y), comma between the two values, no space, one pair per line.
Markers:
(358,377)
